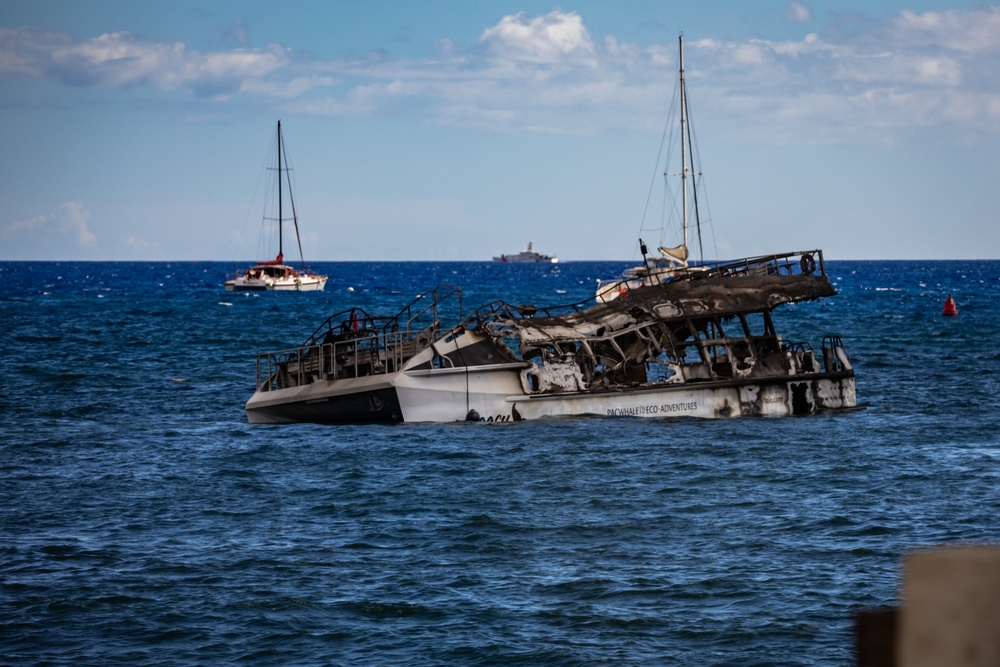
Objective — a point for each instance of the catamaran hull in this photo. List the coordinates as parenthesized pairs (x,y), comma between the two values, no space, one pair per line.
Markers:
(353,401)
(279,286)
(771,398)
(447,395)
(434,395)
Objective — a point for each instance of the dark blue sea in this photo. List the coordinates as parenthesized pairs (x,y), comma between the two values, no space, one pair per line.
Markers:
(143,521)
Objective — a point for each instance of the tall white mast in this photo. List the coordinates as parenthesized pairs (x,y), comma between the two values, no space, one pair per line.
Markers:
(684,169)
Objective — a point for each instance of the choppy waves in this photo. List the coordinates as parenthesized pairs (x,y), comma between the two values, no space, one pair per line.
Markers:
(143,521)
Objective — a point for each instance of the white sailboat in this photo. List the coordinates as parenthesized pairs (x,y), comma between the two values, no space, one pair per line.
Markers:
(274,274)
(672,262)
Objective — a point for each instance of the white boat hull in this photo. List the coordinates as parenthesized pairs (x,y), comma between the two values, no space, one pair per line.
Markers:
(496,394)
(300,284)
(703,347)
(773,399)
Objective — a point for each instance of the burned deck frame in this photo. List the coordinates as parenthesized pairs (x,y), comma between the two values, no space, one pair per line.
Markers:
(709,332)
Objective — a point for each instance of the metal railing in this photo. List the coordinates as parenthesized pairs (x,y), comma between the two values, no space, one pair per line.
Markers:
(353,343)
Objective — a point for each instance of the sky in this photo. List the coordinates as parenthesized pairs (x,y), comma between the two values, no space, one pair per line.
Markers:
(463,129)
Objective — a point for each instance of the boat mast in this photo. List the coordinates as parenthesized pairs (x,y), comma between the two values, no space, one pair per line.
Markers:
(684,205)
(281,253)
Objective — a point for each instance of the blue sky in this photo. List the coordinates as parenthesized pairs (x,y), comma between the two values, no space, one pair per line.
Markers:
(456,130)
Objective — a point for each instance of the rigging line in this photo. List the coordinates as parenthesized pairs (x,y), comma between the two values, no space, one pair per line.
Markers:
(659,154)
(458,348)
(291,199)
(696,152)
(697,216)
(670,196)
(715,242)
(461,357)
(663,208)
(246,219)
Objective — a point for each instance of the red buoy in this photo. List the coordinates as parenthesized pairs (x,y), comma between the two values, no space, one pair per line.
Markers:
(950,309)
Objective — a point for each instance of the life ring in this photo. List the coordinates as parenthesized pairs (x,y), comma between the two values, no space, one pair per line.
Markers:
(807,264)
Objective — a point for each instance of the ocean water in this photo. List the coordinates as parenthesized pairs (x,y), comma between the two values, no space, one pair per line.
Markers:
(143,521)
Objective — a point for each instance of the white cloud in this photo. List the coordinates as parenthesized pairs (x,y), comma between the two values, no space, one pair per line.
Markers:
(122,60)
(140,247)
(65,233)
(236,32)
(751,55)
(530,74)
(546,39)
(546,75)
(974,31)
(798,12)
(446,47)
(811,44)
(289,89)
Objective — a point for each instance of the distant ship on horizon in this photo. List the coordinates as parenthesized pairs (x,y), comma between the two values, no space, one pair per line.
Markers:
(528,256)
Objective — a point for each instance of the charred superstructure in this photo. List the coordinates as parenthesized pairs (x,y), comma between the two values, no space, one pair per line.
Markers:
(703,344)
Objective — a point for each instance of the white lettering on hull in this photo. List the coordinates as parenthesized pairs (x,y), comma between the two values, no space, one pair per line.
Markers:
(661,409)
(498,418)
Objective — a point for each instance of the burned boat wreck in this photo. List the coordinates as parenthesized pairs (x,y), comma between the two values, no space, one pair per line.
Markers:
(703,344)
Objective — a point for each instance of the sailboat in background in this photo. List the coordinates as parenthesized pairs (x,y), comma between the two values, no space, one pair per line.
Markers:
(672,262)
(274,274)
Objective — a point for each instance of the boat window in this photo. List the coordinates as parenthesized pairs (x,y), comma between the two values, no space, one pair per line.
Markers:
(529,353)
(718,353)
(440,361)
(708,329)
(754,324)
(688,354)
(716,329)
(659,372)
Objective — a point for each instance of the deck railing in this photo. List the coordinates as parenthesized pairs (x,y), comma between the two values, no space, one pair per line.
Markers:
(353,343)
